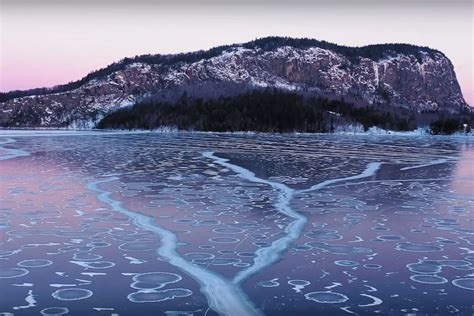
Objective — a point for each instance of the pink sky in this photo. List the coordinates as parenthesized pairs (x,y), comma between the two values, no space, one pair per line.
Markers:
(54,43)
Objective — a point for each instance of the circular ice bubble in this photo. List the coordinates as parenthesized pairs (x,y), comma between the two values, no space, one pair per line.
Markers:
(199,255)
(227,252)
(372,266)
(246,254)
(98,244)
(158,296)
(454,263)
(261,244)
(206,247)
(5,253)
(35,263)
(123,232)
(98,238)
(74,248)
(94,264)
(72,294)
(154,280)
(299,282)
(144,245)
(338,249)
(468,239)
(86,256)
(380,228)
(269,283)
(302,247)
(451,222)
(224,240)
(127,238)
(9,273)
(185,221)
(52,311)
(407,246)
(228,230)
(324,234)
(319,225)
(389,238)
(224,261)
(32,232)
(298,285)
(424,267)
(445,228)
(259,236)
(464,283)
(326,297)
(244,224)
(447,242)
(207,222)
(428,279)
(88,232)
(346,263)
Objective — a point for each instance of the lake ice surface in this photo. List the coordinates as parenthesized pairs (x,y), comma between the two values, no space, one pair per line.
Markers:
(206,224)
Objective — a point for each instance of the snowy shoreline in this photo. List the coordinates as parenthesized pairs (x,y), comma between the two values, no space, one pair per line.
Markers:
(58,131)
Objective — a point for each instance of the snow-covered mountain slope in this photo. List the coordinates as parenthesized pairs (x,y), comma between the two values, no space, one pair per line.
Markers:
(397,74)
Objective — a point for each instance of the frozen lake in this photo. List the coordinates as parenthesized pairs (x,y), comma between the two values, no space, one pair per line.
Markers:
(206,224)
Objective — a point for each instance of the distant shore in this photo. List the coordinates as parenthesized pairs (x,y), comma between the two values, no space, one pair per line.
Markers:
(373,131)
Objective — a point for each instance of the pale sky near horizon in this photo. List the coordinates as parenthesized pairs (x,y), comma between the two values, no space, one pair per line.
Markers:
(50,42)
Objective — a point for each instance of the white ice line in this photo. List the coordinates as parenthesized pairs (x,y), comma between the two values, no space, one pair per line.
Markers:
(223,296)
(432,163)
(369,171)
(30,299)
(11,152)
(265,256)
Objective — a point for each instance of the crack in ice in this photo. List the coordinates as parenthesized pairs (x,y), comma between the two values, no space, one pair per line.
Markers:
(223,296)
(11,152)
(265,256)
(431,163)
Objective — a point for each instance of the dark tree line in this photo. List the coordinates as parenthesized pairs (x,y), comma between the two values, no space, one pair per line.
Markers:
(447,126)
(268,110)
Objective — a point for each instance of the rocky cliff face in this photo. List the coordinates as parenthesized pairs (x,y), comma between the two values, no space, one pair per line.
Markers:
(400,75)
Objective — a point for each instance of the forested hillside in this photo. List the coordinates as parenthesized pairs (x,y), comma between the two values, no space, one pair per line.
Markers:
(268,110)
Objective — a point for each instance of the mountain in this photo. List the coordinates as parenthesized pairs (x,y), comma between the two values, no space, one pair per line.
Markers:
(398,75)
